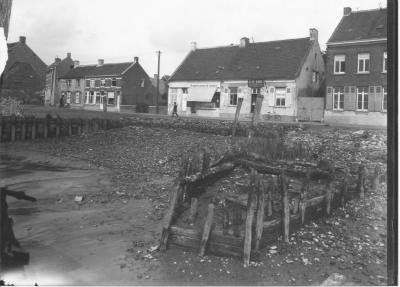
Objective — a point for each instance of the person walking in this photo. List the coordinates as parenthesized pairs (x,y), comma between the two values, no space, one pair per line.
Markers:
(175,110)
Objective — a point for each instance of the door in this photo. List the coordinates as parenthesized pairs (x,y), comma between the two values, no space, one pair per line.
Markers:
(254,93)
(101,106)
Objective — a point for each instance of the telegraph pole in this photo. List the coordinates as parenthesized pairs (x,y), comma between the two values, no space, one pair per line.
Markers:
(158,80)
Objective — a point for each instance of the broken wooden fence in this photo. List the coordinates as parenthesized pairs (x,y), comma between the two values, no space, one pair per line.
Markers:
(257,231)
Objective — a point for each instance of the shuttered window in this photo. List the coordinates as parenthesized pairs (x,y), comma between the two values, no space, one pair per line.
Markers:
(77,97)
(233,91)
(339,64)
(362,98)
(87,83)
(280,97)
(363,63)
(338,98)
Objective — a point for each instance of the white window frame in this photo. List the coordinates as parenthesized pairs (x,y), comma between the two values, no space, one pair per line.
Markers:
(363,57)
(338,98)
(68,97)
(384,93)
(280,98)
(339,59)
(92,95)
(102,82)
(233,96)
(362,94)
(113,80)
(384,68)
(68,83)
(78,83)
(77,97)
(92,83)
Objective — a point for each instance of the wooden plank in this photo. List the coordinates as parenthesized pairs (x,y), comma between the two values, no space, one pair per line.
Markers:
(58,126)
(33,123)
(13,128)
(69,123)
(328,198)
(193,209)
(176,194)
(45,128)
(211,172)
(270,188)
(375,181)
(235,122)
(23,129)
(260,212)
(206,229)
(361,182)
(285,207)
(251,207)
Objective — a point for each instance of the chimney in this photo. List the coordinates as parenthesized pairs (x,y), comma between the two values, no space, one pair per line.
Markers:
(244,42)
(69,55)
(346,11)
(136,59)
(76,64)
(100,62)
(22,39)
(313,34)
(193,46)
(57,60)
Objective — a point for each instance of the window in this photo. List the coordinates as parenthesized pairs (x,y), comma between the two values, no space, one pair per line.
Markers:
(173,93)
(142,83)
(254,93)
(68,97)
(114,82)
(280,97)
(363,63)
(338,98)
(92,99)
(384,62)
(362,98)
(315,77)
(384,99)
(98,96)
(78,83)
(233,96)
(87,83)
(77,97)
(110,99)
(92,83)
(68,83)
(103,82)
(86,101)
(184,90)
(339,64)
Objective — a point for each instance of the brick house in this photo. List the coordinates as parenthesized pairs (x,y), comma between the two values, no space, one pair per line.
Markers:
(122,86)
(356,90)
(24,75)
(209,81)
(56,70)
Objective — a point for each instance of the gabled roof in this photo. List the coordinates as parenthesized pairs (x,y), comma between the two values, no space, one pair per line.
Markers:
(361,25)
(112,69)
(264,60)
(62,66)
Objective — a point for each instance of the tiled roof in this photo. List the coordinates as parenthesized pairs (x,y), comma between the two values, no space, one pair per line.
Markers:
(264,60)
(112,69)
(361,25)
(63,66)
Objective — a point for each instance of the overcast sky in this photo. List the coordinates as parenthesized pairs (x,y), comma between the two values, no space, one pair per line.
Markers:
(119,30)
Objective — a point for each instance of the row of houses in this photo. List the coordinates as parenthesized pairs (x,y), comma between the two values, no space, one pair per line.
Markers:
(298,82)
(346,85)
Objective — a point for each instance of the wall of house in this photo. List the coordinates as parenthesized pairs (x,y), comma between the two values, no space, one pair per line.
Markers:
(355,118)
(76,101)
(133,91)
(105,90)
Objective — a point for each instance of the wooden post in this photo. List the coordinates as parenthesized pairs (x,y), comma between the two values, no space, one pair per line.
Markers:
(23,129)
(206,160)
(375,182)
(1,129)
(343,192)
(69,122)
(285,208)
(329,192)
(80,124)
(260,212)
(361,178)
(45,128)
(2,232)
(86,125)
(95,125)
(58,125)
(236,219)
(207,229)
(238,107)
(270,189)
(193,209)
(174,203)
(13,128)
(225,221)
(251,206)
(33,123)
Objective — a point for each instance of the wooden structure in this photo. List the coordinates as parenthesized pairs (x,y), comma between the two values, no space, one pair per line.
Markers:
(251,223)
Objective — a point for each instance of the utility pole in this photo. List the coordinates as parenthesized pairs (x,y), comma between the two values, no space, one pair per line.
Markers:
(158,80)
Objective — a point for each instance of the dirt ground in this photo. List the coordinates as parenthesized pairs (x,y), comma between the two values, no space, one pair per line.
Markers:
(125,176)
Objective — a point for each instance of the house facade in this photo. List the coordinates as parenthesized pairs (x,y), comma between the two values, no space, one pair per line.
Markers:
(356,91)
(24,76)
(59,68)
(114,86)
(210,81)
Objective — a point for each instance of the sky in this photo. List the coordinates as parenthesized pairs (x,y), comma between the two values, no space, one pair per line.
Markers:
(119,30)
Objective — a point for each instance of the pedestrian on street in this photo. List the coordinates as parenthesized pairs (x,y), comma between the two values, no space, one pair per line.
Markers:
(62,101)
(175,110)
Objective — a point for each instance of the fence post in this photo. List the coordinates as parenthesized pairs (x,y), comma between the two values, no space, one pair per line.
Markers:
(13,128)
(33,123)
(361,179)
(344,191)
(1,128)
(58,126)
(329,193)
(375,182)
(285,207)
(235,122)
(23,129)
(251,206)
(260,211)
(79,128)
(207,229)
(69,122)
(45,128)
(270,189)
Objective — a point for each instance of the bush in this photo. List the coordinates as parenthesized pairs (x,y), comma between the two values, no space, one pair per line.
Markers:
(142,108)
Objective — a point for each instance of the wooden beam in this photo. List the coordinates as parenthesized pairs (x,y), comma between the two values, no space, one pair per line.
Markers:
(193,209)
(285,207)
(213,171)
(207,229)
(260,212)
(235,122)
(361,182)
(251,206)
(328,197)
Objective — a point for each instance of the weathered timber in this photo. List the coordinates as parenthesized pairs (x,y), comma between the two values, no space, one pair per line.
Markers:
(69,123)
(1,129)
(251,208)
(58,127)
(2,232)
(235,122)
(206,229)
(225,220)
(270,189)
(361,182)
(206,160)
(328,199)
(295,205)
(236,219)
(33,128)
(260,213)
(375,181)
(23,129)
(213,171)
(285,207)
(13,129)
(262,158)
(344,190)
(80,125)
(176,194)
(193,209)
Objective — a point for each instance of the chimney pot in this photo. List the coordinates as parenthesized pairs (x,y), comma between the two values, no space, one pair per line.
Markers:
(346,11)
(100,62)
(244,42)
(136,59)
(193,46)
(22,39)
(313,34)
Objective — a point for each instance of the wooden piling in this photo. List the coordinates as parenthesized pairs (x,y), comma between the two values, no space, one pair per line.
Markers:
(33,124)
(260,212)
(361,181)
(206,229)
(270,189)
(13,128)
(45,128)
(193,209)
(375,181)
(328,197)
(285,207)
(238,107)
(343,192)
(58,127)
(23,129)
(251,207)
(69,123)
